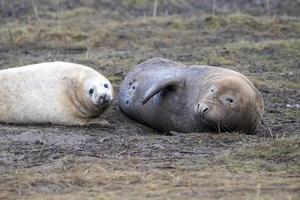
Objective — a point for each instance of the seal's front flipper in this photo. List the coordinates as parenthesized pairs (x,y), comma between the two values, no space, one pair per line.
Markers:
(161,84)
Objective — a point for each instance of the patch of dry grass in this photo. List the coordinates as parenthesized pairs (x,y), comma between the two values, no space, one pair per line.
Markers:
(128,179)
(254,170)
(85,26)
(279,155)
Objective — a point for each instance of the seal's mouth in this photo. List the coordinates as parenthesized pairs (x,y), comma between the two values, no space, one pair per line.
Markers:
(207,115)
(216,125)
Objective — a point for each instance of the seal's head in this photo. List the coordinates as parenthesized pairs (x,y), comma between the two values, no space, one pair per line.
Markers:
(89,94)
(231,104)
(99,91)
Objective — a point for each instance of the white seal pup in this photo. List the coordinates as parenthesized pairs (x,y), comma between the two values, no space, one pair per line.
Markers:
(53,93)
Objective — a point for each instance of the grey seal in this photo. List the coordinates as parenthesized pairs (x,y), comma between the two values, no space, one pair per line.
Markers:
(169,96)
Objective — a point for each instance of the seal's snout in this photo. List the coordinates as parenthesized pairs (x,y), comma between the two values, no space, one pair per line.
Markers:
(202,109)
(104,99)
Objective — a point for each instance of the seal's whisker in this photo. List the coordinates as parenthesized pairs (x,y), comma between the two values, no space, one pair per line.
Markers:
(226,125)
(220,123)
(230,128)
(217,125)
(213,102)
(213,125)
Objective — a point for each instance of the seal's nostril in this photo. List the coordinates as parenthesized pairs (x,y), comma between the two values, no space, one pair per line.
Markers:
(202,108)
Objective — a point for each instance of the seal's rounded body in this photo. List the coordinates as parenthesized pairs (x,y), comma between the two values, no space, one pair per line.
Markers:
(54,92)
(169,96)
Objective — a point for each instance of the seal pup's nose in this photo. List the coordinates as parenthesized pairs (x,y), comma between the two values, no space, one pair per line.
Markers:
(104,99)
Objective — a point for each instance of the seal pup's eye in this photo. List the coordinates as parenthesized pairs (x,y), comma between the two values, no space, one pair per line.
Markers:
(229,99)
(91,91)
(105,85)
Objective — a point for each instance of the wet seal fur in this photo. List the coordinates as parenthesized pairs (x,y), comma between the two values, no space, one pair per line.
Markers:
(54,92)
(169,96)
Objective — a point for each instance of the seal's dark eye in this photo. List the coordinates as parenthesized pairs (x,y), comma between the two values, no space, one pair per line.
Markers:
(212,90)
(91,91)
(230,100)
(105,85)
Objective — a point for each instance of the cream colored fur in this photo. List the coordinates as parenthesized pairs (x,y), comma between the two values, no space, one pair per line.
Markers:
(53,92)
